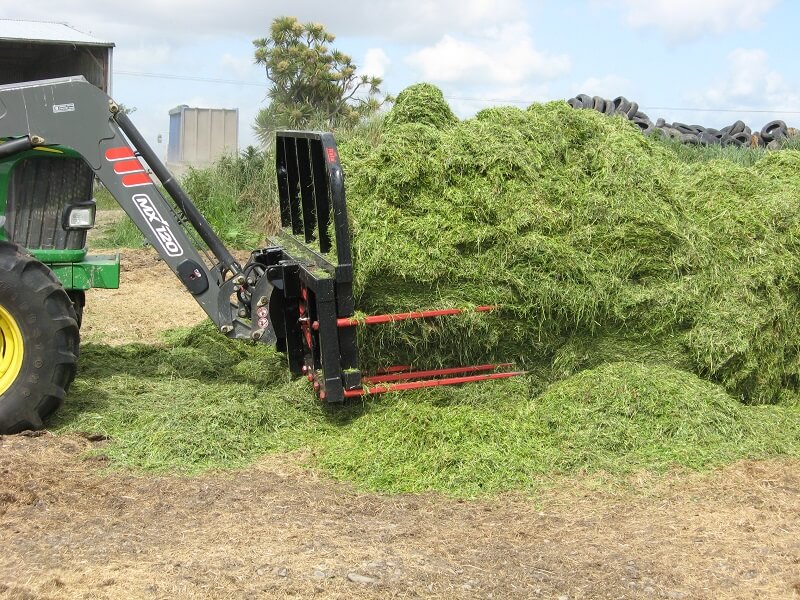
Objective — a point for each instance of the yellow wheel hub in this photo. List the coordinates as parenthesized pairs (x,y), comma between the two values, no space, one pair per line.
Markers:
(10,350)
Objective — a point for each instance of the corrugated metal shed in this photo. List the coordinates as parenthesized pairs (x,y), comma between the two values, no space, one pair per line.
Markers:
(32,50)
(44,31)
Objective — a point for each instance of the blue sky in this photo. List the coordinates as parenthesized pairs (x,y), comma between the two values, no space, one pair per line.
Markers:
(700,55)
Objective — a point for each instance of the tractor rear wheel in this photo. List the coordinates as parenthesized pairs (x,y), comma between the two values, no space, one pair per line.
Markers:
(39,341)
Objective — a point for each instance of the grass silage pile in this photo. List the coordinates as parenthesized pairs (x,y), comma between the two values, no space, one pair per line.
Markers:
(600,245)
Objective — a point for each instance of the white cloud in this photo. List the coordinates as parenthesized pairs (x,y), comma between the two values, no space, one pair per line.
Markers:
(750,83)
(504,55)
(609,86)
(375,62)
(239,67)
(191,19)
(686,20)
(142,58)
(460,14)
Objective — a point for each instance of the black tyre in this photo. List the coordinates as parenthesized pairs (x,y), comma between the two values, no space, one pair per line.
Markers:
(774,130)
(575,103)
(632,110)
(690,138)
(620,104)
(39,341)
(707,138)
(730,140)
(644,124)
(737,127)
(586,101)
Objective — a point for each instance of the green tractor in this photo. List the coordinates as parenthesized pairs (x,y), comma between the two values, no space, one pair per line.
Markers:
(46,209)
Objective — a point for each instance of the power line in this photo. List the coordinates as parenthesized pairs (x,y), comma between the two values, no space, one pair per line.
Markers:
(498,100)
(191,78)
(504,101)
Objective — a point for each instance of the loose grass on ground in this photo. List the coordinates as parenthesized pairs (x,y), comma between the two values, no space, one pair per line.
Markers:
(198,402)
(201,402)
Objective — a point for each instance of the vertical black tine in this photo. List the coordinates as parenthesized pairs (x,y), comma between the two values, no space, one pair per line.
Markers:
(306,190)
(282,169)
(321,195)
(294,185)
(338,204)
(329,350)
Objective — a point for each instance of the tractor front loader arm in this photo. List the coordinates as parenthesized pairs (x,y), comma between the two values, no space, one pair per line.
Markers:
(73,113)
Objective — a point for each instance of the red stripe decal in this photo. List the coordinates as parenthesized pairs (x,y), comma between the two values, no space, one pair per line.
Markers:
(119,153)
(134,179)
(331,155)
(128,166)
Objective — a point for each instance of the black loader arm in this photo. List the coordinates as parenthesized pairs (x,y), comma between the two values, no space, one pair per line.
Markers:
(73,113)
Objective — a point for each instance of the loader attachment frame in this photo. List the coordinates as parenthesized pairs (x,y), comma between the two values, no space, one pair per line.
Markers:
(310,268)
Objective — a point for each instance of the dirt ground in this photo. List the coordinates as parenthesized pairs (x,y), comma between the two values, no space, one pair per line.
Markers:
(132,313)
(71,529)
(275,530)
(129,313)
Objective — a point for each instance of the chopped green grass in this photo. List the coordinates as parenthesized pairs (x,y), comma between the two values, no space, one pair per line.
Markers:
(618,418)
(199,402)
(630,415)
(204,402)
(421,103)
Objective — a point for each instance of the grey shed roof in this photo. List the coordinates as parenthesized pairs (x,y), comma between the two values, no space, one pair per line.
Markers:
(46,32)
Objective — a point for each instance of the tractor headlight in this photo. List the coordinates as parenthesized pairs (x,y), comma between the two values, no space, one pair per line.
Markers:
(79,216)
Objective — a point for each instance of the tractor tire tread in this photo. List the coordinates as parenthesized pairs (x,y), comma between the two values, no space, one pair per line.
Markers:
(54,326)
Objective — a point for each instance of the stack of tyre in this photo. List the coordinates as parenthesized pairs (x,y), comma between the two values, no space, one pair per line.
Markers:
(737,134)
